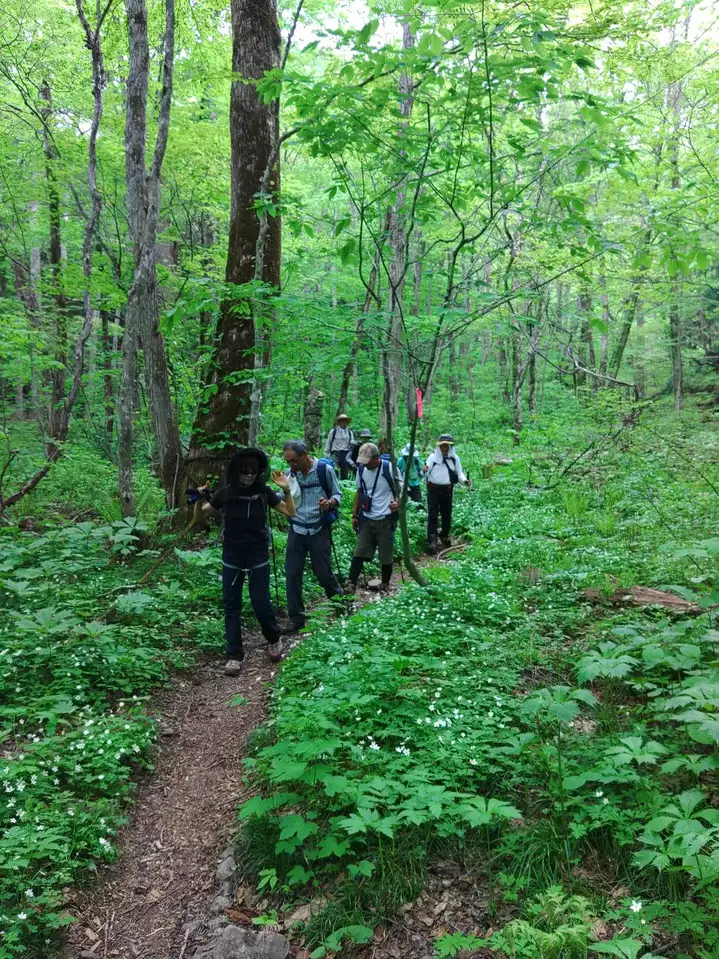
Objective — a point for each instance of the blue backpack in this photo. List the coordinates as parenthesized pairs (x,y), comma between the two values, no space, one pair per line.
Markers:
(332,515)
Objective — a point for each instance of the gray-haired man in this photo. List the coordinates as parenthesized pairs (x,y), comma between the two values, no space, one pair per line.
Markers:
(319,493)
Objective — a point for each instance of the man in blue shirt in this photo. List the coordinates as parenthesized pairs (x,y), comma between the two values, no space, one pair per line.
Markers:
(309,531)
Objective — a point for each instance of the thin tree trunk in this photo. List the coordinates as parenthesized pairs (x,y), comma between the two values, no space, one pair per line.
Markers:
(143,203)
(126,406)
(604,341)
(107,366)
(532,399)
(675,336)
(55,255)
(589,359)
(54,449)
(674,95)
(392,351)
(371,296)
(503,362)
(630,311)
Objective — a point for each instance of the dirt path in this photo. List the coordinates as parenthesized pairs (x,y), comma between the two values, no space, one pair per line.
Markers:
(184,815)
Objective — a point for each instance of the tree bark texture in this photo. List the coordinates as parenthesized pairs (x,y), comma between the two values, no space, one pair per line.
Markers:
(143,204)
(223,417)
(392,352)
(313,419)
(126,405)
(55,256)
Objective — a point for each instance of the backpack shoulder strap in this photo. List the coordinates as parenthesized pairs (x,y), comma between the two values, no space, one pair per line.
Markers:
(387,473)
(322,477)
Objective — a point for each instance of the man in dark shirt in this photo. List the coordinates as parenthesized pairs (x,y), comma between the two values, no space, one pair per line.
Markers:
(244,500)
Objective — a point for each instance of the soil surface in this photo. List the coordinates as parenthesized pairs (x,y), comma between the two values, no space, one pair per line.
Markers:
(183,816)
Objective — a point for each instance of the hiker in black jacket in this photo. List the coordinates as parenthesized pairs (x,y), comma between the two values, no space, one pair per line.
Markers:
(244,500)
(365,436)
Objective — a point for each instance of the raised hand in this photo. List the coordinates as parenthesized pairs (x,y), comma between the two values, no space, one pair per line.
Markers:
(280,479)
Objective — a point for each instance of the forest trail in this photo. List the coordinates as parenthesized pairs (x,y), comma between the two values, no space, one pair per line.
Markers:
(184,812)
(183,815)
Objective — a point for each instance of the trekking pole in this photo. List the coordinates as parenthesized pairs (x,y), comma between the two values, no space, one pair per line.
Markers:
(274,558)
(340,577)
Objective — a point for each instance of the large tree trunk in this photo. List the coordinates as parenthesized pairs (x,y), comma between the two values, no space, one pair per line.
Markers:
(223,417)
(313,419)
(143,205)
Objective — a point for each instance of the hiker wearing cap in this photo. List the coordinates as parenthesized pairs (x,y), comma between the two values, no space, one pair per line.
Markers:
(317,495)
(364,437)
(372,514)
(414,487)
(339,442)
(244,500)
(443,471)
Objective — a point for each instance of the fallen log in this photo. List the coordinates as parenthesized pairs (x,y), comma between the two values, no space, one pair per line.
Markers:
(645,596)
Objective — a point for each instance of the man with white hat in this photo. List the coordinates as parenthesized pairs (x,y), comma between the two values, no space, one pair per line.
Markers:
(372,515)
(443,470)
(339,442)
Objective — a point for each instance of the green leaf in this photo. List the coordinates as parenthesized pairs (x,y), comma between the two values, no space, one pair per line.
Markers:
(366,32)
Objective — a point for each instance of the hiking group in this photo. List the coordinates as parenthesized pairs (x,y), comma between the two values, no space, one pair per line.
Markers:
(311,497)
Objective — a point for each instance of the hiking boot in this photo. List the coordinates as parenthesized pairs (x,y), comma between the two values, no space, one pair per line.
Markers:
(350,588)
(294,627)
(446,540)
(432,544)
(274,651)
(384,588)
(233,667)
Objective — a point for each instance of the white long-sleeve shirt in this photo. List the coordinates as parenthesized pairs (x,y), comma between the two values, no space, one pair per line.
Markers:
(437,471)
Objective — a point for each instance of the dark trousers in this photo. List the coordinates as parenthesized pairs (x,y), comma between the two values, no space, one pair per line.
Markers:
(439,504)
(415,493)
(339,458)
(259,586)
(319,547)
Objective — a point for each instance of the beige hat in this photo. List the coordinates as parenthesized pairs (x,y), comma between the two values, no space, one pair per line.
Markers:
(343,416)
(367,452)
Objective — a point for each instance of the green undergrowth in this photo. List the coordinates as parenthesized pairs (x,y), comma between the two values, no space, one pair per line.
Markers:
(563,751)
(82,646)
(81,649)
